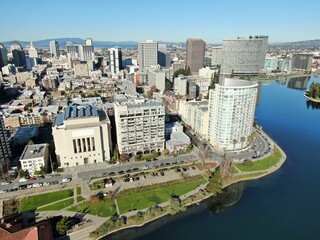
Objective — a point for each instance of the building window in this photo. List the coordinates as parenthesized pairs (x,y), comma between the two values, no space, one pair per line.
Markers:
(74,146)
(84,144)
(88,143)
(93,144)
(79,145)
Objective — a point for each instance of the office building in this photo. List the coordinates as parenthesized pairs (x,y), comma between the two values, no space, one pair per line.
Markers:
(33,52)
(54,49)
(19,58)
(302,61)
(3,56)
(82,135)
(244,56)
(185,86)
(164,57)
(34,157)
(139,124)
(5,151)
(115,60)
(50,82)
(217,55)
(231,113)
(147,54)
(195,54)
(81,70)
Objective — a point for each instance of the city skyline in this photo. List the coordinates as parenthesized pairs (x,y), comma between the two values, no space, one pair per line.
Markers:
(169,21)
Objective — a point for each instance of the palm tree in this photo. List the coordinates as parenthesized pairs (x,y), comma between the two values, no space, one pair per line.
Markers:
(243,139)
(235,141)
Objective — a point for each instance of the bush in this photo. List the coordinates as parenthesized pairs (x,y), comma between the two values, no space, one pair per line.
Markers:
(94,199)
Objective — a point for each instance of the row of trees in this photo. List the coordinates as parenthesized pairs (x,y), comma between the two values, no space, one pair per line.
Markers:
(243,139)
(314,91)
(185,72)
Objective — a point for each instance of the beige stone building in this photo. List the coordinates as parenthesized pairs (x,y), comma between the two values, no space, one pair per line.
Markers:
(82,135)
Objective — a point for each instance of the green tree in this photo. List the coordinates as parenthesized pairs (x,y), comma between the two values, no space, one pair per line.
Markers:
(115,152)
(63,225)
(180,71)
(188,73)
(175,206)
(243,139)
(169,85)
(234,141)
(165,152)
(215,184)
(31,142)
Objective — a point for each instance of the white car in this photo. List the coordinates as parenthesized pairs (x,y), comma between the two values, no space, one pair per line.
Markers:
(65,180)
(145,168)
(23,180)
(46,184)
(35,185)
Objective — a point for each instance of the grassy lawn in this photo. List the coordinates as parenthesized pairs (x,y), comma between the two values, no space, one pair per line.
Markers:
(57,206)
(36,201)
(103,208)
(262,164)
(148,198)
(78,190)
(80,199)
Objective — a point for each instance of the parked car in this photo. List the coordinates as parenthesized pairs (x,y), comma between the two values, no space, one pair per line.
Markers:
(35,185)
(162,173)
(46,184)
(66,180)
(23,180)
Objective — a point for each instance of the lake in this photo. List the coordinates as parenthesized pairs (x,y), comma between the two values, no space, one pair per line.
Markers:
(284,205)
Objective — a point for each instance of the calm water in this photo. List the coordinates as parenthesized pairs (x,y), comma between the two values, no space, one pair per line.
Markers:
(285,205)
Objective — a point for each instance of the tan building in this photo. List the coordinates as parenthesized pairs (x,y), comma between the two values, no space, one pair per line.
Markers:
(82,135)
(195,54)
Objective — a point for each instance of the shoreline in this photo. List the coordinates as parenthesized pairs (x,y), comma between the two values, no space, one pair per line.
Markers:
(311,99)
(263,174)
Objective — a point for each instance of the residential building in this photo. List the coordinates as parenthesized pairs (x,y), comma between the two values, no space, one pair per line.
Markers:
(82,135)
(195,115)
(179,141)
(231,113)
(50,82)
(139,124)
(54,49)
(185,86)
(207,72)
(89,42)
(244,56)
(173,127)
(147,54)
(5,151)
(23,135)
(34,157)
(195,54)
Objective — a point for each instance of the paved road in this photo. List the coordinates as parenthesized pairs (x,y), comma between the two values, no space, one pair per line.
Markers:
(135,166)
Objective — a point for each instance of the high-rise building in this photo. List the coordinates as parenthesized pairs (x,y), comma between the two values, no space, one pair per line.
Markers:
(217,55)
(302,61)
(5,151)
(164,57)
(3,56)
(54,49)
(231,113)
(195,54)
(82,135)
(244,56)
(139,124)
(115,60)
(19,58)
(33,52)
(147,54)
(89,42)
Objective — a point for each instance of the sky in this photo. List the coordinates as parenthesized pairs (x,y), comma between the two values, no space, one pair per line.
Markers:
(161,20)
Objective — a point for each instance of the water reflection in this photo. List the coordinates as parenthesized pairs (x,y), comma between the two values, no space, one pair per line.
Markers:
(312,105)
(298,83)
(229,197)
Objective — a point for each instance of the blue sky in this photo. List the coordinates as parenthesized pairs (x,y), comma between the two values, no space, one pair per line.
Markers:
(162,20)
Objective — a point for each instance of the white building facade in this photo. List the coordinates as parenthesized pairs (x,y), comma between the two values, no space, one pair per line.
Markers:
(231,113)
(147,54)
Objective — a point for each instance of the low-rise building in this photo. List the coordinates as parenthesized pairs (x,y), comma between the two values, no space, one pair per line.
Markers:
(179,141)
(23,135)
(34,157)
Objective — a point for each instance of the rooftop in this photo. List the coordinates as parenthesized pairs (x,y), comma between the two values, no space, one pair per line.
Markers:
(34,151)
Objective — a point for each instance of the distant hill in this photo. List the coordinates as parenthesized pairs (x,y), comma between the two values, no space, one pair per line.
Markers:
(62,42)
(306,43)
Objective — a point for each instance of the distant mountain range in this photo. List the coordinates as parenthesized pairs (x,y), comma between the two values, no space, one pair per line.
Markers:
(132,44)
(98,44)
